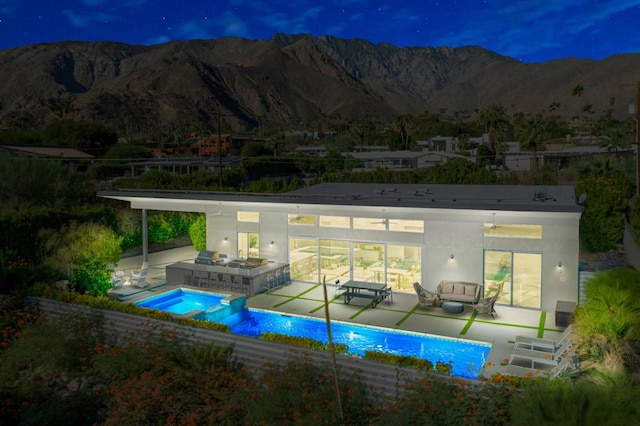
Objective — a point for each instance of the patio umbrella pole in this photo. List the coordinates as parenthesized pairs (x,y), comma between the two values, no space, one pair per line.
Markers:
(331,347)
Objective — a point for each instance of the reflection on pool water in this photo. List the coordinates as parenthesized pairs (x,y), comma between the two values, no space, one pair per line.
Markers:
(181,301)
(466,357)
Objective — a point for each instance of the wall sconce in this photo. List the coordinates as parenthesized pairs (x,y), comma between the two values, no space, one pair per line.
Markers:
(226,238)
(452,257)
(560,266)
(271,243)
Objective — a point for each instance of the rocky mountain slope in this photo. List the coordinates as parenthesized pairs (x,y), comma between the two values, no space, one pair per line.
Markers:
(291,81)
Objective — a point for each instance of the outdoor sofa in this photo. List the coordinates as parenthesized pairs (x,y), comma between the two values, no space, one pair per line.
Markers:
(459,291)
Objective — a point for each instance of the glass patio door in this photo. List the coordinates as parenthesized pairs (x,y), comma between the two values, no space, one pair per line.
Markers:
(520,275)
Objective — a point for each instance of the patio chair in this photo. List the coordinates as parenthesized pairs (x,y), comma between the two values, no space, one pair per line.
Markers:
(426,299)
(139,278)
(338,288)
(485,306)
(117,278)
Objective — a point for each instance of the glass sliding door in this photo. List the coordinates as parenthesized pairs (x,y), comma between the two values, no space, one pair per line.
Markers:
(497,272)
(248,244)
(303,259)
(334,260)
(527,278)
(403,267)
(368,262)
(520,275)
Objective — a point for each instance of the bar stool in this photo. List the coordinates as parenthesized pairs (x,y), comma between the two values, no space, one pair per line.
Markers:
(226,283)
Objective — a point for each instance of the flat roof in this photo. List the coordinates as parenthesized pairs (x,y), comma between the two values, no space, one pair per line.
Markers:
(476,197)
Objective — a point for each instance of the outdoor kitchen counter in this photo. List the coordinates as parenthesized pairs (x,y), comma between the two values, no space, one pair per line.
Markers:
(239,280)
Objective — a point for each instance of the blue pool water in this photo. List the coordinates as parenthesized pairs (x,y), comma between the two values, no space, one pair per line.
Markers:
(181,301)
(466,357)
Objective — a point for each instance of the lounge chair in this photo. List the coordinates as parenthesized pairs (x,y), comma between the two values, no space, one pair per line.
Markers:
(139,278)
(543,353)
(533,368)
(534,343)
(426,298)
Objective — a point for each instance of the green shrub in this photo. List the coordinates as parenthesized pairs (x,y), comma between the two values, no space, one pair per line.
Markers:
(607,324)
(406,361)
(90,276)
(602,222)
(216,326)
(303,392)
(198,233)
(562,402)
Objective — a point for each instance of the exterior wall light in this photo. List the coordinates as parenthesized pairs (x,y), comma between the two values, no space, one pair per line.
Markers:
(226,238)
(271,243)
(452,257)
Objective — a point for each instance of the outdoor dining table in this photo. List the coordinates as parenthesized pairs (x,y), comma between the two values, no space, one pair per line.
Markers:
(374,291)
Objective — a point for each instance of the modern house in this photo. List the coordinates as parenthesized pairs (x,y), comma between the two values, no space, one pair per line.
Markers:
(524,238)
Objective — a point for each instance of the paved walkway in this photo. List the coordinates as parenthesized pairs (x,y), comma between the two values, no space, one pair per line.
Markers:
(401,313)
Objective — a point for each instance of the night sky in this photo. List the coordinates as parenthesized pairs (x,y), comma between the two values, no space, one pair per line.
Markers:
(528,30)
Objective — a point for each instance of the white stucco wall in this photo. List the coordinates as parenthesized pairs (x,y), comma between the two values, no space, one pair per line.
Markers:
(447,232)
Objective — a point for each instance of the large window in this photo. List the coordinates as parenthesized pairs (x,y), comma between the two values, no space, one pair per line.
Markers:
(248,217)
(512,231)
(335,221)
(371,223)
(302,219)
(401,225)
(518,274)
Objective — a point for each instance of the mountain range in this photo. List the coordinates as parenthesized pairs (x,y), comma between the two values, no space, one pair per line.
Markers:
(294,82)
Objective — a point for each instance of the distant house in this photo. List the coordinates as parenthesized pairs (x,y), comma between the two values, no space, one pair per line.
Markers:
(313,151)
(47,151)
(404,159)
(232,145)
(558,155)
(185,165)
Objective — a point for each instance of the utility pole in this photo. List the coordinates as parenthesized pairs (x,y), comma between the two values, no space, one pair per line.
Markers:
(636,111)
(219,115)
(637,139)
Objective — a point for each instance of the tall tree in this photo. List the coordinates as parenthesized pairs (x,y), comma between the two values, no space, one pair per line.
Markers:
(577,90)
(361,129)
(614,135)
(531,132)
(495,121)
(405,124)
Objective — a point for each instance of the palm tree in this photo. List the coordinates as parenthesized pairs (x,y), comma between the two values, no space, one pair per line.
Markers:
(405,124)
(531,132)
(360,129)
(494,120)
(613,135)
(578,90)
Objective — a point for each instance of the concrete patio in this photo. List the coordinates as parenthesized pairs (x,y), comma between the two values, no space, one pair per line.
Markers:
(401,313)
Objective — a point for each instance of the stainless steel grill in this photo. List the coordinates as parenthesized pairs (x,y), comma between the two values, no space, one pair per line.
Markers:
(205,257)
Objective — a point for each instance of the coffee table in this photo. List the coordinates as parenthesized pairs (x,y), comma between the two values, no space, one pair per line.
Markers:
(453,307)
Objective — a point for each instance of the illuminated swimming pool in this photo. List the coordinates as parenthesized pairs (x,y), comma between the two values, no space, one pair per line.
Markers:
(181,301)
(466,357)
